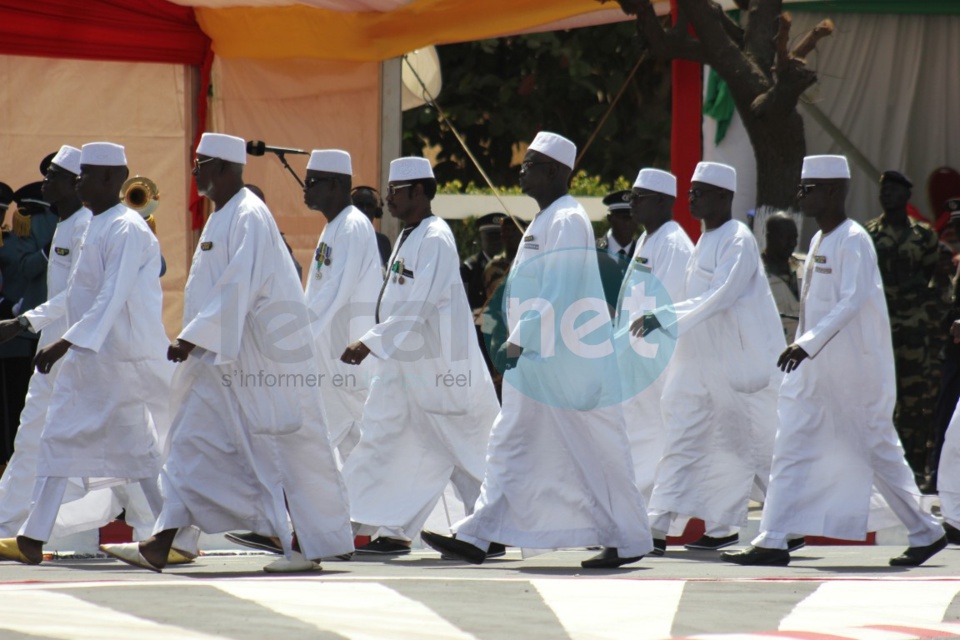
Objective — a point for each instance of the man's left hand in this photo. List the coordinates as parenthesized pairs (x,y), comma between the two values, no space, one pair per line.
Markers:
(48,356)
(355,353)
(791,358)
(644,325)
(179,350)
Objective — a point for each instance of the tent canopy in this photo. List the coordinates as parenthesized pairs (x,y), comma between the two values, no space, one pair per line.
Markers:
(333,30)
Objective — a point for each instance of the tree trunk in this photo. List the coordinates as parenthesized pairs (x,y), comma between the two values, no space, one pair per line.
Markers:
(778,147)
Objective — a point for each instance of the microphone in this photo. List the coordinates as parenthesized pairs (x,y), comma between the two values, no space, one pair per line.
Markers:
(258,148)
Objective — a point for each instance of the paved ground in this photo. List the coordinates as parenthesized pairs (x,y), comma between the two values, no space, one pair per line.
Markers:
(828,592)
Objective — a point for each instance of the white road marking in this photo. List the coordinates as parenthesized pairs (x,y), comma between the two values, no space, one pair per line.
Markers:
(612,609)
(853,604)
(359,611)
(58,615)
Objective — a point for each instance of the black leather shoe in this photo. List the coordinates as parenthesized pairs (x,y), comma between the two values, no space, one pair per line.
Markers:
(495,550)
(795,544)
(708,543)
(916,556)
(608,559)
(659,547)
(758,557)
(451,547)
(254,541)
(384,546)
(953,534)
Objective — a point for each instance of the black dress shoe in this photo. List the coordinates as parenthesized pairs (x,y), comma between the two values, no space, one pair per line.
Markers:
(495,550)
(254,541)
(758,556)
(608,559)
(795,544)
(384,546)
(916,556)
(451,547)
(659,547)
(709,543)
(953,534)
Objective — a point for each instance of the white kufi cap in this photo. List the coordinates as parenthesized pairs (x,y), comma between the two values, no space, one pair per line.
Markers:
(555,146)
(104,154)
(719,175)
(411,168)
(330,160)
(220,145)
(656,180)
(825,167)
(68,159)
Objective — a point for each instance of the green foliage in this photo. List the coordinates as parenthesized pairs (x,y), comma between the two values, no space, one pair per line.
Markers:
(500,92)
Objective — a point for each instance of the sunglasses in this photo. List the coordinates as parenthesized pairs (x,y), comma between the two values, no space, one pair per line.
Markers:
(198,163)
(804,190)
(393,188)
(525,166)
(631,197)
(311,181)
(697,192)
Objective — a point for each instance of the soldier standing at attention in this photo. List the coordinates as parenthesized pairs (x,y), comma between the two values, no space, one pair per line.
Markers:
(907,256)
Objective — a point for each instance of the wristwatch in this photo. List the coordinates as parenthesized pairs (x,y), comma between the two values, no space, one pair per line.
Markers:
(24,323)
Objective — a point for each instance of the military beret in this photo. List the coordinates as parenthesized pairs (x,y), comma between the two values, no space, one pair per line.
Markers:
(896,176)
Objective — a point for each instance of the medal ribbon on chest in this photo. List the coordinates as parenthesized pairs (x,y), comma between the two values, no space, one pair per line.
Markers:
(322,257)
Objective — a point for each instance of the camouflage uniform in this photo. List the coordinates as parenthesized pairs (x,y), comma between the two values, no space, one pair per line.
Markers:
(907,259)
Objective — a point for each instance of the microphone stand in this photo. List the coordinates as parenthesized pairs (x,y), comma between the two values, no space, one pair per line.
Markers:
(283,161)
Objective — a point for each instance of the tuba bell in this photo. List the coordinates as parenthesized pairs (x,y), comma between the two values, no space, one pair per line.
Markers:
(142,195)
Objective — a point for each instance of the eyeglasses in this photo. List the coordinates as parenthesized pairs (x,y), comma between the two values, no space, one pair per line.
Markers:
(697,192)
(393,188)
(525,166)
(630,197)
(804,190)
(197,163)
(311,181)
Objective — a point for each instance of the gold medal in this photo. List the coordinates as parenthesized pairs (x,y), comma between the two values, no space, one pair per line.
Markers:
(401,279)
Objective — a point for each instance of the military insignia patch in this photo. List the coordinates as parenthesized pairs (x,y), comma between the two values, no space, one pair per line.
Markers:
(61,251)
(206,246)
(820,259)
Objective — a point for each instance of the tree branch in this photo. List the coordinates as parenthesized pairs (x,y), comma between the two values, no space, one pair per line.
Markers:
(666,44)
(761,30)
(723,53)
(732,28)
(809,42)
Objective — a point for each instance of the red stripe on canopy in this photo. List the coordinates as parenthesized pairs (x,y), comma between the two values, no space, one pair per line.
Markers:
(141,31)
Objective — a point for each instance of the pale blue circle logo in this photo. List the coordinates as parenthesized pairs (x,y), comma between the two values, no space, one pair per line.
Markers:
(571,311)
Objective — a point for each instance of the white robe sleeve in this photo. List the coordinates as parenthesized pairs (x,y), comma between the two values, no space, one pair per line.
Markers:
(671,268)
(219,324)
(736,266)
(568,232)
(122,260)
(856,282)
(48,312)
(436,259)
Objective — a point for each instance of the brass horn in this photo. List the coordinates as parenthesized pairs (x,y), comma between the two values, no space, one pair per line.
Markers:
(140,194)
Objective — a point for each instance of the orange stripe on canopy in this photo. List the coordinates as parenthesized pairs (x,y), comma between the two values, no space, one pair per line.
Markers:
(298,31)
